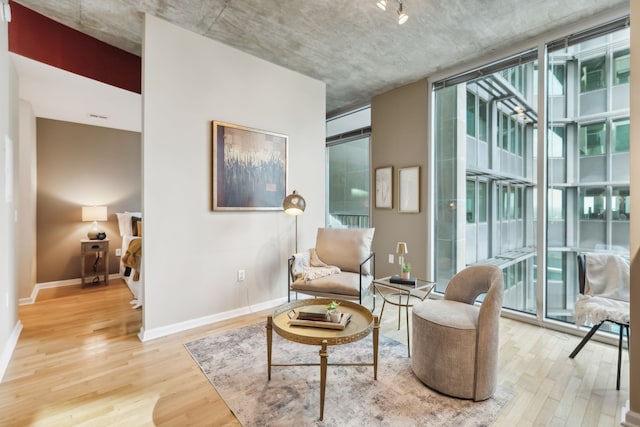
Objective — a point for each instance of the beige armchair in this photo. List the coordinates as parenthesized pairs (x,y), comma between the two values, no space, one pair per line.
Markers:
(455,343)
(340,266)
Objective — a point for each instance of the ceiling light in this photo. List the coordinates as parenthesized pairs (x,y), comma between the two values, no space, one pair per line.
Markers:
(402,17)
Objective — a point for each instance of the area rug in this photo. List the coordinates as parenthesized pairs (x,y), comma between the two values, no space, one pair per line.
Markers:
(235,362)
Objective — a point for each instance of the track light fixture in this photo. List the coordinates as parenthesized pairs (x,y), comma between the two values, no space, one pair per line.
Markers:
(402,17)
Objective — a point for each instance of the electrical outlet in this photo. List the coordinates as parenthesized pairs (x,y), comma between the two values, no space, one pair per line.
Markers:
(240,275)
(391,259)
(119,252)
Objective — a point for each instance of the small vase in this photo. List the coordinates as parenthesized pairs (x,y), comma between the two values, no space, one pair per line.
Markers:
(405,275)
(335,316)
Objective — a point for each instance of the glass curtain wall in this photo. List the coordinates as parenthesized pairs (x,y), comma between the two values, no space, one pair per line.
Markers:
(487,167)
(485,209)
(588,165)
(348,170)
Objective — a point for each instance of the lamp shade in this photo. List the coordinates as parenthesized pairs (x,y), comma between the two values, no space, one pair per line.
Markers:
(294,204)
(94,213)
(401,248)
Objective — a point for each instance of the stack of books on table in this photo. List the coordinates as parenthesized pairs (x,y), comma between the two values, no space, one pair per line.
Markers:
(313,313)
(302,318)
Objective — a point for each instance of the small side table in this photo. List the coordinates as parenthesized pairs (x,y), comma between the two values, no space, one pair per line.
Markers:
(101,249)
(401,296)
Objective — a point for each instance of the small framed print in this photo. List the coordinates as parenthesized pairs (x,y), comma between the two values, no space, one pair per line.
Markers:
(409,189)
(384,187)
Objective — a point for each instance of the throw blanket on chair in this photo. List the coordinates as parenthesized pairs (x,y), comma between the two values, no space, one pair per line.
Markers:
(308,267)
(132,257)
(606,290)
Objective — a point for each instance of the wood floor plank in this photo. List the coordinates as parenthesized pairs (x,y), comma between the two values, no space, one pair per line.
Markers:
(79,362)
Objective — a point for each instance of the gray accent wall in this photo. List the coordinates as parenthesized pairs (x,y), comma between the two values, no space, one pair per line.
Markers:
(399,138)
(80,165)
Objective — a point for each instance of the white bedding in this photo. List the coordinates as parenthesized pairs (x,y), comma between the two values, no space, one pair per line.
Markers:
(124,224)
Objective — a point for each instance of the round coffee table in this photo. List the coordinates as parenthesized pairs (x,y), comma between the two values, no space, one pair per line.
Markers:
(362,323)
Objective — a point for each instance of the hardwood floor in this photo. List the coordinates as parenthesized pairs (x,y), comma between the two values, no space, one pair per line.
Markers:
(79,362)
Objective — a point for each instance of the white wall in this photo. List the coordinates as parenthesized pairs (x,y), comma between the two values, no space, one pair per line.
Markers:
(9,325)
(191,254)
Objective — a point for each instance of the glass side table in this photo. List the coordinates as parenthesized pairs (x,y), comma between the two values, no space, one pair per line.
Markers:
(402,296)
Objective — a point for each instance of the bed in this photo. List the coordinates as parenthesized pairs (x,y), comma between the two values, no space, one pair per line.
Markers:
(130,225)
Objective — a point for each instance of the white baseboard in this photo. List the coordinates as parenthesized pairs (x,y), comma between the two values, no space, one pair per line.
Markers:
(9,348)
(630,418)
(151,334)
(57,284)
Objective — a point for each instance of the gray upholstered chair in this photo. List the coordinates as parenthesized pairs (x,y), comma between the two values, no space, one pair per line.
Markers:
(455,343)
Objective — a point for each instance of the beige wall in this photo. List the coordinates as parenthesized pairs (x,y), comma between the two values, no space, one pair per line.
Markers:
(399,138)
(80,165)
(26,203)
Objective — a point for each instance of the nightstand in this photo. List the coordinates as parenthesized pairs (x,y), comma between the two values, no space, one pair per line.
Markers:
(100,261)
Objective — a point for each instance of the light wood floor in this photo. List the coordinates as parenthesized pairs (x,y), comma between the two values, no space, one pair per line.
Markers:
(79,362)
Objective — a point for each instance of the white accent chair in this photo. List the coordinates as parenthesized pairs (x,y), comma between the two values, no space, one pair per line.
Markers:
(604,297)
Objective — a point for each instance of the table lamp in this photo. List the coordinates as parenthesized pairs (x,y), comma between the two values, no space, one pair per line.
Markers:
(95,214)
(401,250)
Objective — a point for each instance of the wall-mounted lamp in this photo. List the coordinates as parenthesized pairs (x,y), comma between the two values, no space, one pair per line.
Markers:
(294,204)
(95,214)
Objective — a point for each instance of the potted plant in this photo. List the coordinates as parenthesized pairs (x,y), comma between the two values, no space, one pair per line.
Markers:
(406,271)
(332,310)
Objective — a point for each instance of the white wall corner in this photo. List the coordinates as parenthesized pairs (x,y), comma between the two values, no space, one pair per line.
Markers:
(629,418)
(8,350)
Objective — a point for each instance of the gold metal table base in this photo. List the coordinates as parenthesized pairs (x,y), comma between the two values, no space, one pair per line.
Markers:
(365,324)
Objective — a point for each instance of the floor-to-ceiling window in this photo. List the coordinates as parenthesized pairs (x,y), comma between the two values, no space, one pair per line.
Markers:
(488,167)
(497,145)
(348,169)
(588,159)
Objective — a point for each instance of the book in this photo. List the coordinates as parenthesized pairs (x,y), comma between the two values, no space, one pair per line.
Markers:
(411,281)
(326,324)
(313,313)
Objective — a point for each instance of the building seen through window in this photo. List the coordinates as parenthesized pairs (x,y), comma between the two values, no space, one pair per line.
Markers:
(496,156)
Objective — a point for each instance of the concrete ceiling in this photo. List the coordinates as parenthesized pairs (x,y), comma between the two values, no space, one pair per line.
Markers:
(358,50)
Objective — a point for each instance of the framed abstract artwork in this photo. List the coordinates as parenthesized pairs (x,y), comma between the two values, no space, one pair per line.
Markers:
(249,170)
(384,187)
(409,189)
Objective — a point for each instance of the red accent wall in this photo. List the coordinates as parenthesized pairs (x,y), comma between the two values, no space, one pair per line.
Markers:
(37,37)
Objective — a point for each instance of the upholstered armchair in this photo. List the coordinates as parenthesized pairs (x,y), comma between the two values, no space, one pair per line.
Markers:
(455,342)
(341,265)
